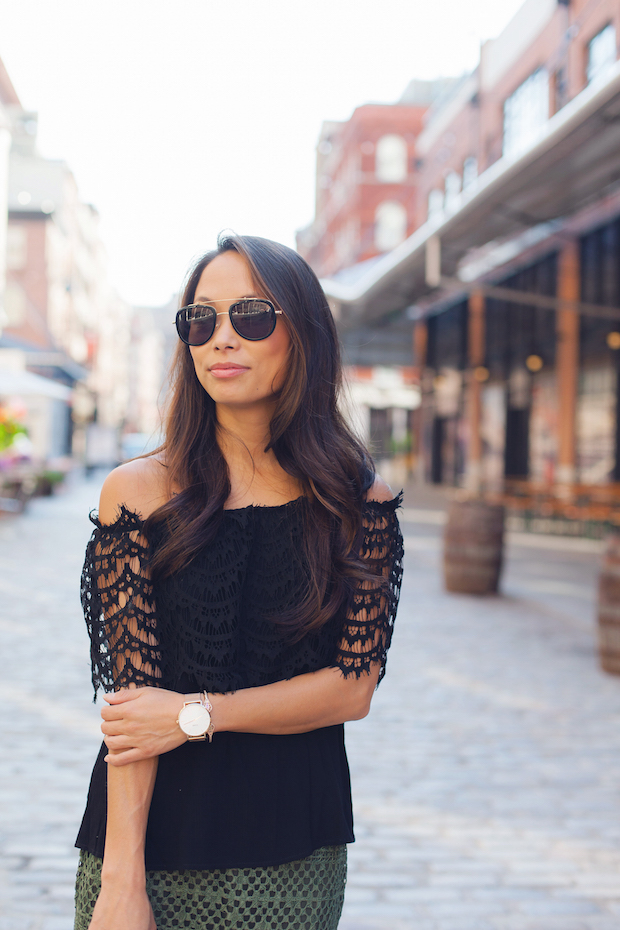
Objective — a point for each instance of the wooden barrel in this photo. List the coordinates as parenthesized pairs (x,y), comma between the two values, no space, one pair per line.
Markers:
(609,606)
(473,547)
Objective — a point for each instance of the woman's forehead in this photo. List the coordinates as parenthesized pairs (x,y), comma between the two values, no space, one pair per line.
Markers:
(228,272)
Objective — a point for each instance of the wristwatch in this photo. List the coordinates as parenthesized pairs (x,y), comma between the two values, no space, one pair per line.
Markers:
(195,719)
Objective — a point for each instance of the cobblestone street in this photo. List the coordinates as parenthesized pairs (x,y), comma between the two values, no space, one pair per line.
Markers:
(486,778)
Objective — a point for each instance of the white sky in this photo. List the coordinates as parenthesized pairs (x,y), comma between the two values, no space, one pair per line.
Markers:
(180,118)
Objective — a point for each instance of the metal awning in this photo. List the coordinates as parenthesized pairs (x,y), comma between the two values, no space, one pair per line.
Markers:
(575,161)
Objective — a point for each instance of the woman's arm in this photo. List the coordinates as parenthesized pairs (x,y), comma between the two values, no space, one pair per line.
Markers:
(124,612)
(306,702)
(141,723)
(123,903)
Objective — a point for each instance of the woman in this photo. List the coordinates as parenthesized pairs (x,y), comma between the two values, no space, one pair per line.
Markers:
(240,590)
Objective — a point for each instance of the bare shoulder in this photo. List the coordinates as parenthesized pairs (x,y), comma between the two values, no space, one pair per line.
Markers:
(380,490)
(140,485)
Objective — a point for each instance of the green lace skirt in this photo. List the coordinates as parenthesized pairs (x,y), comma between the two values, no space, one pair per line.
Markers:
(303,895)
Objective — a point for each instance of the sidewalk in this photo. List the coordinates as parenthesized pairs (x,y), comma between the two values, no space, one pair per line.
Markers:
(486,778)
(49,728)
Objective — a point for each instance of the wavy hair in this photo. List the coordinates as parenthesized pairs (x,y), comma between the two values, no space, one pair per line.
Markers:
(308,435)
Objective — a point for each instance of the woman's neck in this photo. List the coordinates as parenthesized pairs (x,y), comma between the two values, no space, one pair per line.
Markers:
(256,476)
(243,432)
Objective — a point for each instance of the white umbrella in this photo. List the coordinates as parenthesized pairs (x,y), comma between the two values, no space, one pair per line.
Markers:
(22,383)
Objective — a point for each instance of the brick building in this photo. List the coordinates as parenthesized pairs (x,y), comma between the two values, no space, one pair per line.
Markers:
(366,205)
(548,54)
(62,320)
(510,279)
(366,182)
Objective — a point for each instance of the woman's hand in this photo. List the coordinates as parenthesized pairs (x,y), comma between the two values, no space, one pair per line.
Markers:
(141,723)
(122,910)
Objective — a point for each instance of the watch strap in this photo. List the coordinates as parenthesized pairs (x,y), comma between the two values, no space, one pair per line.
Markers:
(204,699)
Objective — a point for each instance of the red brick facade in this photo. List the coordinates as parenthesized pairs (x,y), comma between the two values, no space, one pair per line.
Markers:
(27,283)
(350,189)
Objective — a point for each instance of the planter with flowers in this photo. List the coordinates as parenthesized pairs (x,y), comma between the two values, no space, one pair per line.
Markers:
(17,477)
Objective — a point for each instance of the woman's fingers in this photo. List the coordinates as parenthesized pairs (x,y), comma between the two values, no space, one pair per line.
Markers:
(113,713)
(119,725)
(124,758)
(119,743)
(145,725)
(148,745)
(125,694)
(119,710)
(112,729)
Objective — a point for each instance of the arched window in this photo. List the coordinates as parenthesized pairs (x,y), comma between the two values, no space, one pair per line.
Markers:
(390,225)
(391,159)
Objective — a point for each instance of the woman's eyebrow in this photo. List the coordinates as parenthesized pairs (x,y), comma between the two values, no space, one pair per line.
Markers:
(211,300)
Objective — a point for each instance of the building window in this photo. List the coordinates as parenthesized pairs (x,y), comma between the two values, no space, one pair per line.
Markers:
(470,171)
(560,89)
(525,113)
(346,243)
(435,202)
(390,225)
(453,189)
(16,247)
(15,304)
(391,160)
(601,52)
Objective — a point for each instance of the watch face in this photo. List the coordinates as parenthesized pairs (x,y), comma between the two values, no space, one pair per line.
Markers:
(194,719)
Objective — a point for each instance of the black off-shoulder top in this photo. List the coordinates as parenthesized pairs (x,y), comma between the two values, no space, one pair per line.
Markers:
(245,800)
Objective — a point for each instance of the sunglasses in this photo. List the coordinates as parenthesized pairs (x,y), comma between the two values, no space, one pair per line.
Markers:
(253,318)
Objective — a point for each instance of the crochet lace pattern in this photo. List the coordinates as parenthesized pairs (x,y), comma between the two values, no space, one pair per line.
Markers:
(210,626)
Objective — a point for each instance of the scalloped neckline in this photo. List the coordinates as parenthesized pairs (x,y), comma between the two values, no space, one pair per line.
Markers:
(124,511)
(264,506)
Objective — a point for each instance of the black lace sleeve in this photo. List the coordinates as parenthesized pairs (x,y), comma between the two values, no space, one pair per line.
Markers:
(119,608)
(368,626)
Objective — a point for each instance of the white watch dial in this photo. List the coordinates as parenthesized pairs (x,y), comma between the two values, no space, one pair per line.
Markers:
(194,719)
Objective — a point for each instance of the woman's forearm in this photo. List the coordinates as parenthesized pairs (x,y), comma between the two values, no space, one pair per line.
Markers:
(130,789)
(142,722)
(297,705)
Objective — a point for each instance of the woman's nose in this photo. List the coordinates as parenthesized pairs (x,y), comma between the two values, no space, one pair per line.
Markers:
(224,334)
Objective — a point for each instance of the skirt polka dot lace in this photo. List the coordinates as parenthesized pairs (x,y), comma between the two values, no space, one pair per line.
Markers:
(303,895)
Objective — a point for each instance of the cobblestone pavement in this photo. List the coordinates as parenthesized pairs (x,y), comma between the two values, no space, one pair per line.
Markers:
(486,778)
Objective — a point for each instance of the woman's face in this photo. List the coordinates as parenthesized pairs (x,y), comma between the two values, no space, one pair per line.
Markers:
(235,371)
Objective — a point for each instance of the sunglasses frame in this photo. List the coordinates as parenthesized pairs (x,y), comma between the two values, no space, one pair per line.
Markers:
(234,304)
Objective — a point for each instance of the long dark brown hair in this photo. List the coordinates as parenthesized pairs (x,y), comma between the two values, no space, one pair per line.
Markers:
(308,435)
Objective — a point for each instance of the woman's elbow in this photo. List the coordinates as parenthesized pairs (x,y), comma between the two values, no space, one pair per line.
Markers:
(361,710)
(362,696)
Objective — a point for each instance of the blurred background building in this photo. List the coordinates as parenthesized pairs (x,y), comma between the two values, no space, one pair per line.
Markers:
(468,239)
(65,332)
(79,368)
(153,341)
(366,181)
(505,293)
(367,176)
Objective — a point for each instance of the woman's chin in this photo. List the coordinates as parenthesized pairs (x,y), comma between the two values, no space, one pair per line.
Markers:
(242,400)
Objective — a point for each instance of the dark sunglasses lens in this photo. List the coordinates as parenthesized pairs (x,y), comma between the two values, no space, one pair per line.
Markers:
(253,319)
(196,326)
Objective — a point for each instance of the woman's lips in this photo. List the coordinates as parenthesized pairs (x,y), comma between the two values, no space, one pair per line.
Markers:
(226,371)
